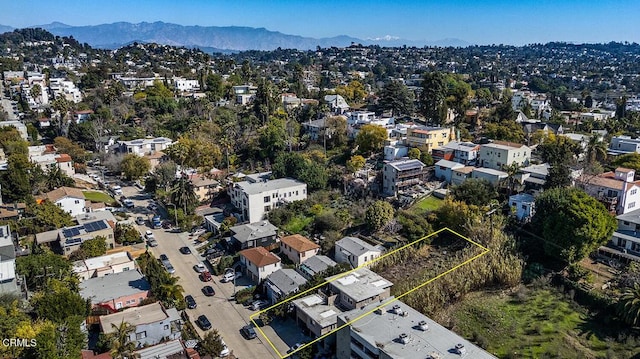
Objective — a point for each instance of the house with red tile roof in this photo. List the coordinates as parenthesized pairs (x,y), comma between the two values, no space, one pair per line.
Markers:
(259,263)
(298,248)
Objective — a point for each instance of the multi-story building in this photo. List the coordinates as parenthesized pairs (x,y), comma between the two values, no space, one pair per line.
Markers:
(620,145)
(259,263)
(395,330)
(282,283)
(69,199)
(618,190)
(256,196)
(152,322)
(8,282)
(298,248)
(462,152)
(625,241)
(401,174)
(428,138)
(359,288)
(355,251)
(257,234)
(498,154)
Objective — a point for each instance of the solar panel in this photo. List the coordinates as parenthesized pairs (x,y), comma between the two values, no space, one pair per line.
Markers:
(73,241)
(71,232)
(406,165)
(95,226)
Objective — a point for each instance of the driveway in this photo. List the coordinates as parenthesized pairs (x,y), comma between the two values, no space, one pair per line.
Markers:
(226,316)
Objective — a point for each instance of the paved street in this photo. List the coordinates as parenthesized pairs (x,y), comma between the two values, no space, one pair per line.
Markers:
(226,316)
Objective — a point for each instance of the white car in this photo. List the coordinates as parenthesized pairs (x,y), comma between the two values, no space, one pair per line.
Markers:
(200,267)
(225,351)
(148,234)
(230,276)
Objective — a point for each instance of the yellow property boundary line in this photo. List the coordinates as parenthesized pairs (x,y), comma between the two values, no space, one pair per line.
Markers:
(397,297)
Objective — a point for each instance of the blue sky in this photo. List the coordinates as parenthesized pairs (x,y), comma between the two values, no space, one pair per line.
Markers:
(479,22)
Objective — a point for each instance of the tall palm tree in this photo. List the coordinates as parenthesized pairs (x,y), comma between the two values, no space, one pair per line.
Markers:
(629,305)
(596,150)
(183,194)
(511,170)
(170,292)
(121,345)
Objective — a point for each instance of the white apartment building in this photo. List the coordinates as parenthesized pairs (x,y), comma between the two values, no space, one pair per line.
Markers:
(182,84)
(258,195)
(498,154)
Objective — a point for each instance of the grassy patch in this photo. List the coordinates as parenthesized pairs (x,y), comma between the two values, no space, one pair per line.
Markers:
(298,223)
(95,196)
(538,323)
(429,203)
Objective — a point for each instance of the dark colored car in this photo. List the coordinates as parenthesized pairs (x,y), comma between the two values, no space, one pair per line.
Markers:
(185,250)
(248,332)
(191,303)
(208,291)
(166,225)
(163,257)
(203,322)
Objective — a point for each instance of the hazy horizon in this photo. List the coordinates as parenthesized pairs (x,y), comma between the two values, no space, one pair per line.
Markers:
(476,22)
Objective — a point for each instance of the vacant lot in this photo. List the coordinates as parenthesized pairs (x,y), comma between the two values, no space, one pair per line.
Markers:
(538,323)
(95,196)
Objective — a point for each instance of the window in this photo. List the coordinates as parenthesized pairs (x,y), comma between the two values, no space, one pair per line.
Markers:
(267,208)
(635,246)
(297,193)
(633,191)
(77,201)
(267,199)
(632,204)
(275,195)
(125,269)
(141,335)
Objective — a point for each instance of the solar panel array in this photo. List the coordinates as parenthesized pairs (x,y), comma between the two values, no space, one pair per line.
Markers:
(95,226)
(71,232)
(407,165)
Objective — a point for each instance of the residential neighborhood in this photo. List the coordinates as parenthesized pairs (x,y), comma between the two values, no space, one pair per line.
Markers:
(362,201)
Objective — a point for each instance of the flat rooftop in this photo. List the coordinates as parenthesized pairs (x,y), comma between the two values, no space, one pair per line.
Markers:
(150,313)
(269,185)
(114,286)
(315,307)
(360,284)
(382,330)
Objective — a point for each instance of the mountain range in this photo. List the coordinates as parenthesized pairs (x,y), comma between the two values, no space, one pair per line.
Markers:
(214,38)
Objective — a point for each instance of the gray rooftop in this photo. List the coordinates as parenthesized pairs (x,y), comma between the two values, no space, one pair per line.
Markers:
(490,171)
(449,164)
(382,329)
(316,307)
(268,185)
(633,217)
(316,264)
(95,216)
(355,246)
(162,350)
(244,232)
(360,284)
(406,165)
(540,170)
(114,286)
(460,146)
(286,280)
(146,314)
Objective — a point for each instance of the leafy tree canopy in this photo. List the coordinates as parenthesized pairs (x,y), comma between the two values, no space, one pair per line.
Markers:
(572,223)
(475,191)
(378,215)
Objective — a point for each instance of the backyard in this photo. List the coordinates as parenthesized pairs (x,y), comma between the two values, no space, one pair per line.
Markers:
(95,196)
(429,203)
(538,323)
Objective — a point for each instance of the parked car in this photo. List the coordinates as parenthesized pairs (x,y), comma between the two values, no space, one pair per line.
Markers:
(295,347)
(152,206)
(205,276)
(185,250)
(191,303)
(225,350)
(230,276)
(140,220)
(166,225)
(169,268)
(248,332)
(148,234)
(258,304)
(198,232)
(203,322)
(152,243)
(214,252)
(208,291)
(128,203)
(163,257)
(200,267)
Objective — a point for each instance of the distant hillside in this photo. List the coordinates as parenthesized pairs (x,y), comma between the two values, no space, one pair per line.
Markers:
(4,28)
(212,38)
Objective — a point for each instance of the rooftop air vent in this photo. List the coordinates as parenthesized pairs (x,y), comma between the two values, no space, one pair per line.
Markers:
(422,325)
(397,310)
(460,349)
(404,338)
